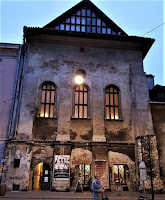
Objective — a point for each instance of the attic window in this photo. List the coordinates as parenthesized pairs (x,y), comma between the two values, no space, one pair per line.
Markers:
(16,163)
(85,20)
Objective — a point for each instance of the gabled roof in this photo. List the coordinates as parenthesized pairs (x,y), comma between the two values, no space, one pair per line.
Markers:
(85,17)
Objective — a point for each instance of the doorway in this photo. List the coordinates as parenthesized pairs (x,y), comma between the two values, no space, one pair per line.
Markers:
(41,178)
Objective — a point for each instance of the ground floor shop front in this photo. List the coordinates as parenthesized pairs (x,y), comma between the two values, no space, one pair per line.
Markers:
(66,166)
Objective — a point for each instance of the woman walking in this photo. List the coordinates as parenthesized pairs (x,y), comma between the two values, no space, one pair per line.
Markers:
(97,188)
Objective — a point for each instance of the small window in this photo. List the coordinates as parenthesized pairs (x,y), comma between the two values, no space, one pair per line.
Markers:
(112,103)
(16,187)
(47,100)
(16,163)
(119,174)
(81,102)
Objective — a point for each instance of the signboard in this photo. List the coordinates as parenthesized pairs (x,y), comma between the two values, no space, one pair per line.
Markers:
(61,167)
(142,168)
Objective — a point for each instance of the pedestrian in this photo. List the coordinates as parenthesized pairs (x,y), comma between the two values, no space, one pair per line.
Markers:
(97,188)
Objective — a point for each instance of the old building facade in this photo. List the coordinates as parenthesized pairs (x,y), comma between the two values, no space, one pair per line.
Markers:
(62,127)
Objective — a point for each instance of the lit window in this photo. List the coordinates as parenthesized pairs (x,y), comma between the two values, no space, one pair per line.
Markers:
(81,102)
(47,100)
(112,103)
(119,174)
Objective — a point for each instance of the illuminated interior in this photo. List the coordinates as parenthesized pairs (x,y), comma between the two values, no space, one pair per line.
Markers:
(37,176)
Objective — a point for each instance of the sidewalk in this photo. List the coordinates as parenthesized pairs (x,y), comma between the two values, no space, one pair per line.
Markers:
(72,195)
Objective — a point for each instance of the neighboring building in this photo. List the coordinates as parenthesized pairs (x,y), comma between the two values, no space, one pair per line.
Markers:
(157,103)
(92,127)
(8,67)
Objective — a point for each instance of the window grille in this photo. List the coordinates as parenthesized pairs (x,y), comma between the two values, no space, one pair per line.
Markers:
(81,102)
(112,103)
(47,100)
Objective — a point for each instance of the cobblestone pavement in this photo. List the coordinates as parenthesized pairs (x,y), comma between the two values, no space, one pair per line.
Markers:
(72,195)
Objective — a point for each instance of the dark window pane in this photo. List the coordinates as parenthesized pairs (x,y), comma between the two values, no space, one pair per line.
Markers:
(93,14)
(78,13)
(67,27)
(88,29)
(93,21)
(68,20)
(88,21)
(83,28)
(78,20)
(98,30)
(73,19)
(103,23)
(113,33)
(83,12)
(16,163)
(57,27)
(104,30)
(61,26)
(78,28)
(98,22)
(108,31)
(72,27)
(93,29)
(83,20)
(88,13)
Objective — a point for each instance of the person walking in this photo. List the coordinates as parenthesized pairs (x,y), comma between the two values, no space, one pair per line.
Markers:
(97,188)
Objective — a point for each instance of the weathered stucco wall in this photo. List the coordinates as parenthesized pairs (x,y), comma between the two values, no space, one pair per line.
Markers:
(19,175)
(59,63)
(158,116)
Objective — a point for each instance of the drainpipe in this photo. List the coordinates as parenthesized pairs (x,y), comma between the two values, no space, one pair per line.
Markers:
(152,187)
(14,94)
(20,94)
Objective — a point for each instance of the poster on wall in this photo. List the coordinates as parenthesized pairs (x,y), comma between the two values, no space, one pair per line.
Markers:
(61,168)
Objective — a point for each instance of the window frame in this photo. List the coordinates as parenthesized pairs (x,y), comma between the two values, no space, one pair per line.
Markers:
(74,93)
(40,100)
(119,103)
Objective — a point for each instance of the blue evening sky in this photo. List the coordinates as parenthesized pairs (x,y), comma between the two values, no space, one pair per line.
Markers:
(135,17)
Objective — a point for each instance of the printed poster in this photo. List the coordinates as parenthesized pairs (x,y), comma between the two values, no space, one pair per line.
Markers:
(61,168)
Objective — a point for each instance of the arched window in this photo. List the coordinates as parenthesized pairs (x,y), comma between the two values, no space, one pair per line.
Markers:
(81,102)
(112,102)
(47,100)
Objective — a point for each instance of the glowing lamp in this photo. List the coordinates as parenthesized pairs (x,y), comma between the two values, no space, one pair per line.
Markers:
(80,75)
(79,79)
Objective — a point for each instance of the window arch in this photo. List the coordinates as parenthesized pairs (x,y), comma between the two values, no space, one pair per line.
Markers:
(47,100)
(81,101)
(112,102)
